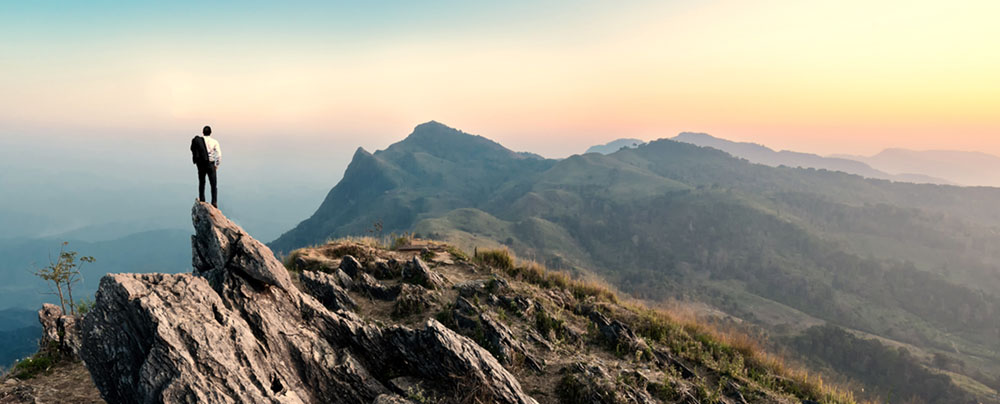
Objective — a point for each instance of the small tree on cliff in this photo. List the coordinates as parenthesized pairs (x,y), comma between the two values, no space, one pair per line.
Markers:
(63,274)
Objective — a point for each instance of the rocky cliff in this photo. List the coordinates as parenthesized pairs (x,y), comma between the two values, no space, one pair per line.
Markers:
(354,323)
(239,330)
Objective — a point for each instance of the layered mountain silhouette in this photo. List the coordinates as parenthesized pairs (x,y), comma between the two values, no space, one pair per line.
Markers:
(763,155)
(614,146)
(781,247)
(960,167)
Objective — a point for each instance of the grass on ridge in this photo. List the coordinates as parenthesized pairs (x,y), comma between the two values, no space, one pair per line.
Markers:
(731,353)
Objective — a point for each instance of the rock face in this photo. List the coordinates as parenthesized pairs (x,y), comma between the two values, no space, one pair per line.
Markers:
(58,331)
(238,330)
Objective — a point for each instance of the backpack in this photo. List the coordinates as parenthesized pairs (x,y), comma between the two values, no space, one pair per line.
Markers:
(199,152)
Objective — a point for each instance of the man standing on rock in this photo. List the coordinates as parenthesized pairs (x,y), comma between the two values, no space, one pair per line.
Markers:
(207,155)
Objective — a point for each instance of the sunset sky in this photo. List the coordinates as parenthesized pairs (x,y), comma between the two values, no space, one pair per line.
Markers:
(543,76)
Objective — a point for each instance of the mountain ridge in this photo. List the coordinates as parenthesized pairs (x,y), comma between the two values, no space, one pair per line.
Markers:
(671,219)
(392,326)
(761,154)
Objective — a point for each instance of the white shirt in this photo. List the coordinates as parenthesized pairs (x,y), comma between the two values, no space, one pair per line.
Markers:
(214,150)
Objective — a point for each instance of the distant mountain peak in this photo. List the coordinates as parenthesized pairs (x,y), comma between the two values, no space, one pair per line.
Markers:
(615,145)
(431,126)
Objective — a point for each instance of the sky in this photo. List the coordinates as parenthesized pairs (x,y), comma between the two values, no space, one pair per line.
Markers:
(542,76)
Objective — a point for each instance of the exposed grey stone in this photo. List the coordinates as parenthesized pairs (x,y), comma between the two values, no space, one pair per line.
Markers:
(411,300)
(325,288)
(482,287)
(350,266)
(238,331)
(417,272)
(502,343)
(59,331)
(343,279)
(617,334)
(371,287)
(495,336)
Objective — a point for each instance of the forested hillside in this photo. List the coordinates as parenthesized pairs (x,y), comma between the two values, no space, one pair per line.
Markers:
(781,247)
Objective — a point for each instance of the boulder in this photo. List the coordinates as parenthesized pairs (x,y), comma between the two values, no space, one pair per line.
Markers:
(371,287)
(326,289)
(618,335)
(493,335)
(237,330)
(350,266)
(59,331)
(411,300)
(416,272)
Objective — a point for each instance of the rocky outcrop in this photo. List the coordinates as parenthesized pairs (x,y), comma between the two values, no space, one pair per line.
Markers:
(592,384)
(417,272)
(350,266)
(59,331)
(494,335)
(617,334)
(327,289)
(238,330)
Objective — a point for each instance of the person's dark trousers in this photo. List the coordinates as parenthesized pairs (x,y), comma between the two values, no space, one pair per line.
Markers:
(209,170)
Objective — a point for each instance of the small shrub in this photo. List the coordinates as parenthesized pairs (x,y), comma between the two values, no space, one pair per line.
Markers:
(400,241)
(665,391)
(573,390)
(84,306)
(38,363)
(419,395)
(457,253)
(427,255)
(407,305)
(446,316)
(31,367)
(499,259)
(548,325)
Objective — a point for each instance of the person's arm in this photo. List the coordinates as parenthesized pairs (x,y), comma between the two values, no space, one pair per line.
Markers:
(218,155)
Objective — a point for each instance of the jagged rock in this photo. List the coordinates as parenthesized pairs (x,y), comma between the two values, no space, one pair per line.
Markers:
(304,263)
(343,279)
(495,336)
(59,331)
(665,358)
(464,306)
(369,286)
(586,384)
(411,300)
(482,287)
(237,330)
(417,272)
(562,298)
(537,338)
(325,288)
(517,304)
(617,334)
(500,340)
(350,266)
(386,269)
(220,248)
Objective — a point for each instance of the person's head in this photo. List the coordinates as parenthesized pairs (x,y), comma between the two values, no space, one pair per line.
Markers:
(207,131)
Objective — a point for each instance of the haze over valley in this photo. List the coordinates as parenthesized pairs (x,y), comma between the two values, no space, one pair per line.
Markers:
(585,202)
